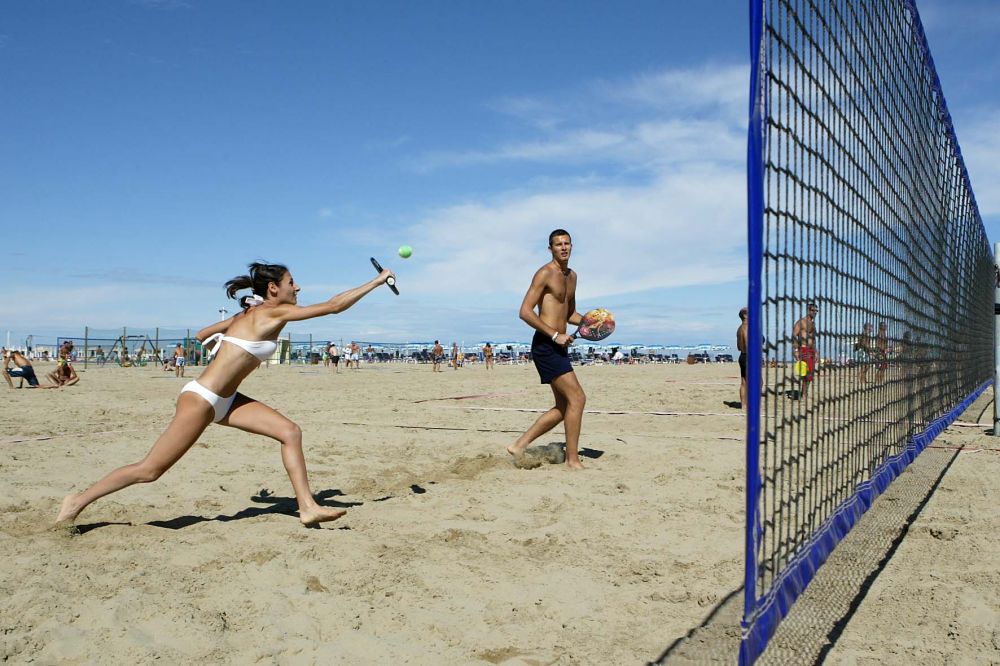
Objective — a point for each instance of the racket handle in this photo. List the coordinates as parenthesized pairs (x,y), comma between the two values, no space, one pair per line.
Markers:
(391,281)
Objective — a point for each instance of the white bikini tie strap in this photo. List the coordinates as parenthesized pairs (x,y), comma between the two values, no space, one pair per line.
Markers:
(217,337)
(253,299)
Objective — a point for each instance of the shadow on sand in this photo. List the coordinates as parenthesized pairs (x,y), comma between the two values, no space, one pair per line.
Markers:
(276,505)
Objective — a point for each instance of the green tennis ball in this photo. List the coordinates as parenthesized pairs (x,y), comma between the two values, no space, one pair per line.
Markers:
(405,251)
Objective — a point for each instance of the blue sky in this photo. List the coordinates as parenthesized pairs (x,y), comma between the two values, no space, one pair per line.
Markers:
(150,149)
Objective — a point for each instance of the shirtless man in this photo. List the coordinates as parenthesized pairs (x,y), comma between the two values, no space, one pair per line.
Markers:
(488,355)
(454,355)
(333,354)
(436,355)
(553,292)
(180,360)
(741,345)
(804,337)
(22,371)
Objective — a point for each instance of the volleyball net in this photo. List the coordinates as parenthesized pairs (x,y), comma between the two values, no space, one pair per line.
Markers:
(871,280)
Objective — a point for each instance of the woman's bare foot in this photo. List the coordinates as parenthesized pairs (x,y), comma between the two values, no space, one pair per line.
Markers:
(69,510)
(574,464)
(319,514)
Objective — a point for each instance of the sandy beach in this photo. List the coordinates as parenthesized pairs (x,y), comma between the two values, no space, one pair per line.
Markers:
(449,554)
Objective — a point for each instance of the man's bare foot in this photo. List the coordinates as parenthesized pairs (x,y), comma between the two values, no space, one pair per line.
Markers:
(574,464)
(319,514)
(69,510)
(515,450)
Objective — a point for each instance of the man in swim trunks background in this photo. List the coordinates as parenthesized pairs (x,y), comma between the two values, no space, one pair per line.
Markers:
(488,355)
(22,369)
(804,337)
(334,355)
(741,345)
(436,355)
(179,360)
(553,292)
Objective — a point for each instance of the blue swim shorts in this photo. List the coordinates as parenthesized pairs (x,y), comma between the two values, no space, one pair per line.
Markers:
(551,360)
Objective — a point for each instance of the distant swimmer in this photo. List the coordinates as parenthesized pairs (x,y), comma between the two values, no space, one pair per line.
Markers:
(240,344)
(553,293)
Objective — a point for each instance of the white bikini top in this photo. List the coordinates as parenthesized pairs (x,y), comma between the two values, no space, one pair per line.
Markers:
(262,349)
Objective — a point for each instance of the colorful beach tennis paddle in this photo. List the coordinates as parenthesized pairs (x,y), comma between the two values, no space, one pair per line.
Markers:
(595,325)
(391,281)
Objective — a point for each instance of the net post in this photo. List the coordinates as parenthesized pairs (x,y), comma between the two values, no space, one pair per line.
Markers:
(86,331)
(755,234)
(996,338)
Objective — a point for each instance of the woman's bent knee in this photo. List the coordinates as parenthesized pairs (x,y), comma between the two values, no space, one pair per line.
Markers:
(291,435)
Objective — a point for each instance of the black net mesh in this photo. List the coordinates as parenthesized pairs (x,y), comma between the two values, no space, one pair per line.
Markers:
(877,279)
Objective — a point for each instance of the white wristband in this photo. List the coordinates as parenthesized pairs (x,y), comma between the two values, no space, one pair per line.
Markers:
(555,335)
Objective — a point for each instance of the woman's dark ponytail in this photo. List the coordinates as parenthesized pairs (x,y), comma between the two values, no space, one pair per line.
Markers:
(260,276)
(237,283)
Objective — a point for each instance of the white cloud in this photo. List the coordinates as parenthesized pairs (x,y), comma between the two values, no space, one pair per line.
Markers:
(646,145)
(685,227)
(692,90)
(676,138)
(645,122)
(106,305)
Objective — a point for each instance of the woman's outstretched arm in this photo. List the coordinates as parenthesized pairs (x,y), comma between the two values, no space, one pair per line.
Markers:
(335,304)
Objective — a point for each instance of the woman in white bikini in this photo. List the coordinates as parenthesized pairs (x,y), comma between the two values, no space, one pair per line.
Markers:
(243,342)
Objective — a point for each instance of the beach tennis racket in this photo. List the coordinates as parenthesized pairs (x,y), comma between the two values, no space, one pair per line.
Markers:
(801,368)
(391,281)
(595,325)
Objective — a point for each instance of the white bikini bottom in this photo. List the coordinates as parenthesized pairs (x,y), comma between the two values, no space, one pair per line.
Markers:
(219,404)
